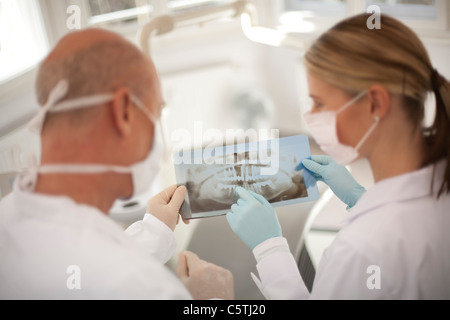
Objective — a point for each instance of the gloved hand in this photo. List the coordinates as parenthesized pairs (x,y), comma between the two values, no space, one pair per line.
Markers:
(204,280)
(166,205)
(253,219)
(337,177)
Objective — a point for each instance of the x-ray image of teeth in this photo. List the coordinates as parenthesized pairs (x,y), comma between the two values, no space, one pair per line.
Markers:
(212,185)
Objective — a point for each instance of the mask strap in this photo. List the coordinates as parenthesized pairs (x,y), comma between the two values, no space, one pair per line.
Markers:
(86,102)
(166,149)
(82,169)
(367,135)
(157,126)
(348,104)
(59,92)
(141,106)
(80,103)
(52,106)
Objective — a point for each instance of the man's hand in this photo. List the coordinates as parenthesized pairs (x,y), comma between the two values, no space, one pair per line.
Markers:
(204,280)
(166,205)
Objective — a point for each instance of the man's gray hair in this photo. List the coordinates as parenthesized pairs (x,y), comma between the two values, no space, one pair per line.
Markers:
(101,68)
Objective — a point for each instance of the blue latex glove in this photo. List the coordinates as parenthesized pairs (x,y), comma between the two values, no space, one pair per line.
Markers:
(337,177)
(253,219)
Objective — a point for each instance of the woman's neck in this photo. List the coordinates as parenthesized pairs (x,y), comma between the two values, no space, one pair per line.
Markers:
(397,154)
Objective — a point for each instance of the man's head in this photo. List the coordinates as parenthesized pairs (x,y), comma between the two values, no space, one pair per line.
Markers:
(117,133)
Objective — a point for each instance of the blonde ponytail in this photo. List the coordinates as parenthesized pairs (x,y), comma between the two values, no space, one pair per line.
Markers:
(438,135)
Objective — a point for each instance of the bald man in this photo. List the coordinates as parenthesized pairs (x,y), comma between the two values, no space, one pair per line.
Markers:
(101,100)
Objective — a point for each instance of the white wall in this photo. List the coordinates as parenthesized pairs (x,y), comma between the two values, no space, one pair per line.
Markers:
(440,54)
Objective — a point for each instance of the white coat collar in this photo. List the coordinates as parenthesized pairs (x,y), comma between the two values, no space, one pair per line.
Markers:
(405,187)
(62,210)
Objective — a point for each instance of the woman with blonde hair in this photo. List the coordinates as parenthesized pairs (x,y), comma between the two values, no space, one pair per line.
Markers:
(369,89)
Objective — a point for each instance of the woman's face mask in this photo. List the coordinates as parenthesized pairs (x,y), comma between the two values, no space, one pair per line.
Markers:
(143,173)
(323,127)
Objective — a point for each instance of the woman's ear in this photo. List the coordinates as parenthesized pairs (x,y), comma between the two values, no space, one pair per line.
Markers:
(123,113)
(380,100)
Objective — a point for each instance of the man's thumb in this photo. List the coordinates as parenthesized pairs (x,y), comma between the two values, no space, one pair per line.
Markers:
(182,268)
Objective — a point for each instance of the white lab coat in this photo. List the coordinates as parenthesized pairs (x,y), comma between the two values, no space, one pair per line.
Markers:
(395,245)
(53,248)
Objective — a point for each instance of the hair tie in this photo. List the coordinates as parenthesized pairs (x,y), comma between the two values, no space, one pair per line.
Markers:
(437,81)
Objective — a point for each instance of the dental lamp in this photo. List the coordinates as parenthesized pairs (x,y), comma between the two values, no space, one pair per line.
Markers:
(239,9)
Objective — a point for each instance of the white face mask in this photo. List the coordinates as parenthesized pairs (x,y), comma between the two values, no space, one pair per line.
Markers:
(143,173)
(323,127)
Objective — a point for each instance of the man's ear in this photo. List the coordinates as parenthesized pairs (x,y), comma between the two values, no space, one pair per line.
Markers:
(380,100)
(123,113)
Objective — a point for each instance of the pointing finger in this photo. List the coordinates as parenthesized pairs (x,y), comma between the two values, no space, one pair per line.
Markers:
(243,194)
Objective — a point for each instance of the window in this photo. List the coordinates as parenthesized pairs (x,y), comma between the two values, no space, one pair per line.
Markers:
(311,16)
(417,9)
(22,37)
(181,5)
(429,18)
(114,11)
(99,7)
(324,7)
(404,8)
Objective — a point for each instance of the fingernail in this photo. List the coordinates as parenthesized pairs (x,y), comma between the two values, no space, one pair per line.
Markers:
(300,167)
(235,197)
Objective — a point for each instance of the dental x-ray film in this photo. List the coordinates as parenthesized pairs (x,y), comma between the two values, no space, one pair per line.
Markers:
(212,175)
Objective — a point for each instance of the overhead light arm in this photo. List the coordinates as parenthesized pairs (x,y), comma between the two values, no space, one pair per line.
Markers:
(239,9)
